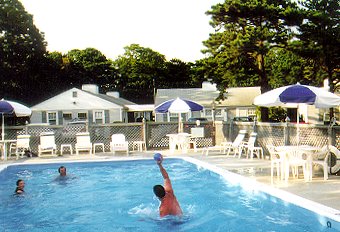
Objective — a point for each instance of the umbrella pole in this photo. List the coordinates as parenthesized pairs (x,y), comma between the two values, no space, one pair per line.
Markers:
(3,128)
(298,126)
(179,123)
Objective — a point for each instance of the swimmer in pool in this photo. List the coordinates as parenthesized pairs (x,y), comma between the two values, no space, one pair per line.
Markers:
(169,204)
(62,171)
(20,187)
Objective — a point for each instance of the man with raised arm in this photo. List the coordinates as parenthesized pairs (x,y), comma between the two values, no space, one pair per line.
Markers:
(169,204)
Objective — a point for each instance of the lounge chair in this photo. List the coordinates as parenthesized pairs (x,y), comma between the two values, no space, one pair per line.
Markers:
(236,146)
(227,146)
(83,142)
(250,149)
(47,143)
(20,146)
(119,143)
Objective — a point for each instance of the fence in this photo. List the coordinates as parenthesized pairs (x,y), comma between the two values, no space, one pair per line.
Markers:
(154,133)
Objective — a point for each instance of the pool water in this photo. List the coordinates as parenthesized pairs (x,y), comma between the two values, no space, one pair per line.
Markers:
(118,196)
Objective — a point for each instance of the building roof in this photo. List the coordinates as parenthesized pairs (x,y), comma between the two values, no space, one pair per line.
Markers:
(235,97)
(85,100)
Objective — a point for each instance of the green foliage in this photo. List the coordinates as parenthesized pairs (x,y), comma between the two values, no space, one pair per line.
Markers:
(246,31)
(139,69)
(22,50)
(319,37)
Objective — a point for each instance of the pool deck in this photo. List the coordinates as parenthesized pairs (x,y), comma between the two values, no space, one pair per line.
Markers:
(323,192)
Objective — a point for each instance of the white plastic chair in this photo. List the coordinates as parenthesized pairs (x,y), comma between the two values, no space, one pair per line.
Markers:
(250,148)
(47,143)
(277,160)
(119,143)
(320,158)
(20,146)
(236,146)
(83,142)
(296,158)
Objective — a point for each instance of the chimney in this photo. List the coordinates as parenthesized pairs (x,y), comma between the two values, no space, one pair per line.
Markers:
(207,86)
(113,94)
(90,88)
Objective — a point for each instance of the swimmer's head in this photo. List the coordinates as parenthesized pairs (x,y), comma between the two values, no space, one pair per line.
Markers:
(159,191)
(62,170)
(20,182)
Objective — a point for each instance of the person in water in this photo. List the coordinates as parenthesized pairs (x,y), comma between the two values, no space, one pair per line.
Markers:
(169,204)
(20,187)
(62,171)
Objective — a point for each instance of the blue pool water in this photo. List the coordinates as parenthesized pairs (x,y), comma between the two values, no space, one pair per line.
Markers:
(117,196)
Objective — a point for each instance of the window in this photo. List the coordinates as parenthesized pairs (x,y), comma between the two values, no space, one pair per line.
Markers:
(67,116)
(251,112)
(82,116)
(98,117)
(74,94)
(208,112)
(52,118)
(173,117)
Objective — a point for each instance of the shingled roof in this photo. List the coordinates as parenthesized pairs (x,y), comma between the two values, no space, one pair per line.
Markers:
(239,96)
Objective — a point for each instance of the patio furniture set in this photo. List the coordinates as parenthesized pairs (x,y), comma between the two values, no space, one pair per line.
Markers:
(48,147)
(285,160)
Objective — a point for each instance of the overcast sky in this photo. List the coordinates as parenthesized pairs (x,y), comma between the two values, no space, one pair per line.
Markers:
(174,28)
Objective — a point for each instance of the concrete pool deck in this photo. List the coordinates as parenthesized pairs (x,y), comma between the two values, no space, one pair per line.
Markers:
(323,192)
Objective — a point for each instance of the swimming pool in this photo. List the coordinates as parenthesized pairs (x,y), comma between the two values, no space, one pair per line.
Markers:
(117,196)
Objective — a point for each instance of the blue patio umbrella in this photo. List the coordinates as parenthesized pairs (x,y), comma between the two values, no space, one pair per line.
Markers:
(13,109)
(292,96)
(178,106)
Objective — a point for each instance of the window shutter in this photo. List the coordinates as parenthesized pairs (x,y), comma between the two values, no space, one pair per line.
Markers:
(60,117)
(43,117)
(107,116)
(90,116)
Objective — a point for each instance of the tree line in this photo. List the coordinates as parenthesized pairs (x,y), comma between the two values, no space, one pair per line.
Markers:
(267,43)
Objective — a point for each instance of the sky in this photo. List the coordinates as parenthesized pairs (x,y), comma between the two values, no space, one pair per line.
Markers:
(174,28)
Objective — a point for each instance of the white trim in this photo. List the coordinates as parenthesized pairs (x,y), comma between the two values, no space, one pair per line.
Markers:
(56,117)
(102,118)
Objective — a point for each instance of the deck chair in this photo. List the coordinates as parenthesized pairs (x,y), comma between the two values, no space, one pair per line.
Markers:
(83,142)
(47,143)
(20,146)
(226,146)
(295,159)
(277,160)
(250,149)
(118,143)
(320,158)
(235,147)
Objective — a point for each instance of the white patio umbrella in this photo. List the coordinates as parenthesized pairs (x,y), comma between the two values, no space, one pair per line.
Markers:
(178,106)
(14,109)
(293,95)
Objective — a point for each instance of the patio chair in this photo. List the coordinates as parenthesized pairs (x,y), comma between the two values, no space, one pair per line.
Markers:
(295,159)
(227,146)
(276,161)
(320,158)
(119,143)
(236,146)
(83,142)
(20,146)
(47,144)
(250,149)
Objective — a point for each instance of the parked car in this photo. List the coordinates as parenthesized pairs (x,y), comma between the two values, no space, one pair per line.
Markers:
(195,119)
(243,119)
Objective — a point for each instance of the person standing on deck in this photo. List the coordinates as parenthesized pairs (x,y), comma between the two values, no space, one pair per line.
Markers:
(169,204)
